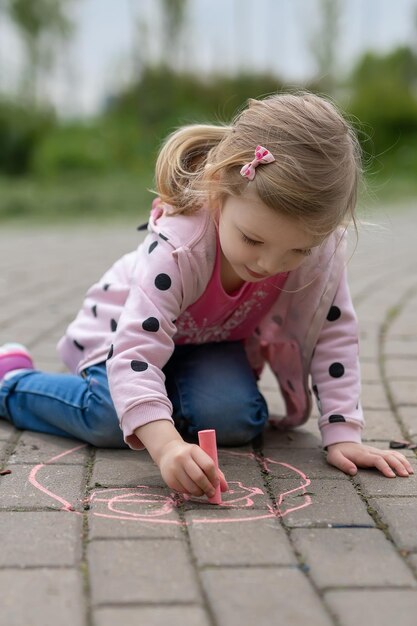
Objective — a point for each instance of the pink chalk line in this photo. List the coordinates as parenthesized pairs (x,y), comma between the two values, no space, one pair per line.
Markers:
(32,479)
(158,506)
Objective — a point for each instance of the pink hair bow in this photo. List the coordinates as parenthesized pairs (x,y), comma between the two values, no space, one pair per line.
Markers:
(262,155)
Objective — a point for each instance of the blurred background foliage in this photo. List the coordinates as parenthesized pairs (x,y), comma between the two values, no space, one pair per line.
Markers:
(53,168)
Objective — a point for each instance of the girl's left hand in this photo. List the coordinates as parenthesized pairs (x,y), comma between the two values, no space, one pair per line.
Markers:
(348,456)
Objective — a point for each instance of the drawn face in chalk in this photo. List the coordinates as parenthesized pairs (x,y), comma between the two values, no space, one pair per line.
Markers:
(156,505)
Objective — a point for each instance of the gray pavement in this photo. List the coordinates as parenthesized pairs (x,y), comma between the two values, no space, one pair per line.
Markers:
(91,537)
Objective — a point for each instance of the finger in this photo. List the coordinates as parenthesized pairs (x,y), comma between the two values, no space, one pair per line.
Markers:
(404,461)
(177,486)
(381,464)
(207,465)
(198,477)
(337,458)
(397,465)
(187,484)
(223,483)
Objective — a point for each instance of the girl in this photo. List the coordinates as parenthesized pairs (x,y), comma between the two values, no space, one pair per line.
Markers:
(243,264)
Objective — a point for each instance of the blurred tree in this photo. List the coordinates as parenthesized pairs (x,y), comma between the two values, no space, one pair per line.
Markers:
(324,42)
(384,98)
(43,24)
(173,20)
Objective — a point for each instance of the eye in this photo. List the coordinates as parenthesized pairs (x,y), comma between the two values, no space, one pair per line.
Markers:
(251,242)
(306,252)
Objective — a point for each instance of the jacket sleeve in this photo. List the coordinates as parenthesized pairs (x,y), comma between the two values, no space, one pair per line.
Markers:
(335,371)
(143,340)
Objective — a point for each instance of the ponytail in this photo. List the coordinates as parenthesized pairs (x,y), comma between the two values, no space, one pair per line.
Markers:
(181,163)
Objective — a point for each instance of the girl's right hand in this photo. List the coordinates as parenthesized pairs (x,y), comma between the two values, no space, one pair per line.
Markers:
(186,468)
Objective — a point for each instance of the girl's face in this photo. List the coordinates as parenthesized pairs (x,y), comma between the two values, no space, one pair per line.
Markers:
(258,242)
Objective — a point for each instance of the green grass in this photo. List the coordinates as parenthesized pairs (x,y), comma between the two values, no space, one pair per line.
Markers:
(103,199)
(124,197)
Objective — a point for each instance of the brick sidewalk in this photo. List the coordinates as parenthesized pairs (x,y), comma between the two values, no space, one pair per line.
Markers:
(91,537)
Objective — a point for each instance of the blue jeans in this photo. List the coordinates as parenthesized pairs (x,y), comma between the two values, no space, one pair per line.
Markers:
(209,385)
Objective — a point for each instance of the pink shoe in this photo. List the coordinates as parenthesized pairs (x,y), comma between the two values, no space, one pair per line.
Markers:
(14,356)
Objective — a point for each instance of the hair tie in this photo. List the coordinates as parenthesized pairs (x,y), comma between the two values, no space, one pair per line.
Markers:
(262,155)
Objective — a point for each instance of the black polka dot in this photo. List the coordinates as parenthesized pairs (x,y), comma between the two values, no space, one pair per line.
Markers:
(290,385)
(113,325)
(151,324)
(336,370)
(316,392)
(162,282)
(336,418)
(94,310)
(139,366)
(142,226)
(333,314)
(163,237)
(78,345)
(152,246)
(106,286)
(110,354)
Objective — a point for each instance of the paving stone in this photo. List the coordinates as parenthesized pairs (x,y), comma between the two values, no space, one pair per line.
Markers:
(307,436)
(373,483)
(380,425)
(141,571)
(351,557)
(370,371)
(374,607)
(4,450)
(132,513)
(368,348)
(118,523)
(374,397)
(394,347)
(40,448)
(400,369)
(274,400)
(281,464)
(235,538)
(261,596)
(152,616)
(404,391)
(7,431)
(63,485)
(245,490)
(404,325)
(408,415)
(42,597)
(125,468)
(384,445)
(268,379)
(333,502)
(40,539)
(400,515)
(412,561)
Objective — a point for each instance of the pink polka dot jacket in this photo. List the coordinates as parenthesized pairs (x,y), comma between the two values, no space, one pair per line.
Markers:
(308,334)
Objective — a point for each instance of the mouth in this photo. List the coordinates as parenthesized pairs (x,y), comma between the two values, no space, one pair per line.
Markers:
(255,274)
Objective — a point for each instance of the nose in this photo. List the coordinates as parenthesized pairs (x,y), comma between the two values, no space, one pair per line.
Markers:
(271,266)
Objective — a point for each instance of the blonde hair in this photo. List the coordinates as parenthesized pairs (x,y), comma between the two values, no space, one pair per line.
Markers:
(316,171)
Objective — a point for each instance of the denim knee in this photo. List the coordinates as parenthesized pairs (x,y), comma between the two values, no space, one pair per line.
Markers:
(236,423)
(106,435)
(103,425)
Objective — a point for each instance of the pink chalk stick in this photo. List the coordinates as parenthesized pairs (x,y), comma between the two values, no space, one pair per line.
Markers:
(207,442)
